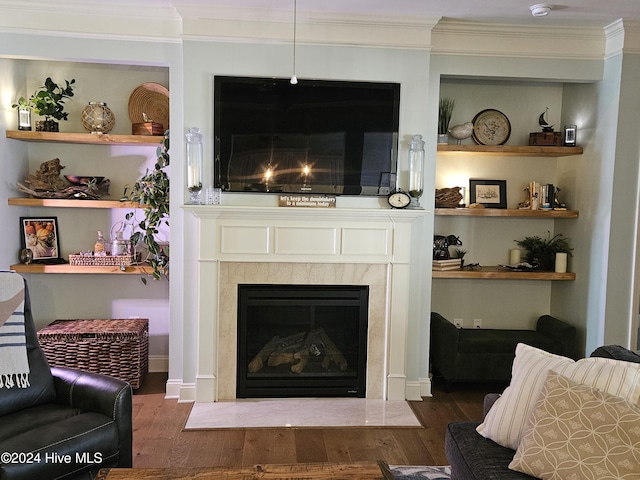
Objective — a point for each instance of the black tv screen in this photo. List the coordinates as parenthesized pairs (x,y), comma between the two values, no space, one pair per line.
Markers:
(318,136)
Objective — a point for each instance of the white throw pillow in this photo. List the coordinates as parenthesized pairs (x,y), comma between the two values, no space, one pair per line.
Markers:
(507,418)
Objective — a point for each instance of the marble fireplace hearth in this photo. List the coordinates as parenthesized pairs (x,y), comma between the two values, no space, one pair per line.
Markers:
(267,245)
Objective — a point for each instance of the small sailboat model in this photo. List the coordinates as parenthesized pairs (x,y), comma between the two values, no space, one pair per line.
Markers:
(543,123)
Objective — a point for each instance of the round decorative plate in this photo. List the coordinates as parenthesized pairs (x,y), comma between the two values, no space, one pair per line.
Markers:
(150,99)
(491,127)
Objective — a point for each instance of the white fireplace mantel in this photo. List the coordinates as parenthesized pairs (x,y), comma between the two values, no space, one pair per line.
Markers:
(304,239)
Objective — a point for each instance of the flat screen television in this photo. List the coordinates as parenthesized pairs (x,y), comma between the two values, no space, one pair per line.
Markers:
(318,136)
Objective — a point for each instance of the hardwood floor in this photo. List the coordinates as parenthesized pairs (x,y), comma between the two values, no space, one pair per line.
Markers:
(159,439)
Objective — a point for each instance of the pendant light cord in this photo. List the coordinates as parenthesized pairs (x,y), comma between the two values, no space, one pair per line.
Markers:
(294,79)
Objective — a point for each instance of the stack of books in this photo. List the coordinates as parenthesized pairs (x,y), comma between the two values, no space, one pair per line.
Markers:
(451,264)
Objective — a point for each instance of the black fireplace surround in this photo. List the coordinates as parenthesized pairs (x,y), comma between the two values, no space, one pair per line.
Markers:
(302,340)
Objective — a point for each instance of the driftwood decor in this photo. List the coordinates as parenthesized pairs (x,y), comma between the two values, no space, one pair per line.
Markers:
(296,349)
(448,197)
(47,183)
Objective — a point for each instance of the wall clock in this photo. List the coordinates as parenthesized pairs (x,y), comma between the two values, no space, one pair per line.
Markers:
(491,127)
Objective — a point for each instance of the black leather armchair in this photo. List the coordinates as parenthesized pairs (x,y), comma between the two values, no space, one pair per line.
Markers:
(67,423)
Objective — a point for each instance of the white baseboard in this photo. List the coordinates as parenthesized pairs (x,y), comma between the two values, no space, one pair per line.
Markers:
(172,389)
(158,363)
(425,387)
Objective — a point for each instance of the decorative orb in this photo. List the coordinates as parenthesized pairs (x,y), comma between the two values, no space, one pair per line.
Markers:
(98,118)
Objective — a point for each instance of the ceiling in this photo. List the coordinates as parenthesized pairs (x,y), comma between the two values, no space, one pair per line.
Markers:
(575,13)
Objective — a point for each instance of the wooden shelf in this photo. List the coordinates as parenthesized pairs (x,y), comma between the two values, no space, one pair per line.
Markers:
(500,273)
(507,150)
(84,138)
(505,212)
(70,203)
(74,269)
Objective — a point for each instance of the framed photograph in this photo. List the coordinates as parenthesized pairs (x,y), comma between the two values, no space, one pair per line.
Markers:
(490,193)
(40,235)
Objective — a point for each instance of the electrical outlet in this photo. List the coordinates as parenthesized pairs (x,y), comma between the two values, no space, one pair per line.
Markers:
(477,323)
(457,322)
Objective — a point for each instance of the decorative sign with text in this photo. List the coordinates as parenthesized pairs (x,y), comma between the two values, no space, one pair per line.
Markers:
(316,201)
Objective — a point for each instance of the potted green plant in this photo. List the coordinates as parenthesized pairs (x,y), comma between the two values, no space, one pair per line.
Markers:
(542,251)
(444,118)
(151,192)
(48,102)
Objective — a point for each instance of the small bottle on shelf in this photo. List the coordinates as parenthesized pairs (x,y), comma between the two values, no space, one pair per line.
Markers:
(99,247)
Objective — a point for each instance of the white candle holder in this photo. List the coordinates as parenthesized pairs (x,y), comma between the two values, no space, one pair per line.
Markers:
(194,165)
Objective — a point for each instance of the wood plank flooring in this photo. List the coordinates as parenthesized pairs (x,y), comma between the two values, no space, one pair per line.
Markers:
(160,441)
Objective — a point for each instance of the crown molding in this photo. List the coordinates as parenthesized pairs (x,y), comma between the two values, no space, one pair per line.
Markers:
(501,40)
(93,19)
(623,36)
(312,28)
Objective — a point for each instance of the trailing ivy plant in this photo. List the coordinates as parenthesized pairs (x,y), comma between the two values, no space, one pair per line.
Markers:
(151,192)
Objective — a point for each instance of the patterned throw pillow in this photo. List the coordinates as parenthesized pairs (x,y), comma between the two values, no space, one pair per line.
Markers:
(579,432)
(507,418)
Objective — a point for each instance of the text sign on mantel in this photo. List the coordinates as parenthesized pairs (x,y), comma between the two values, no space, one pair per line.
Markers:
(317,201)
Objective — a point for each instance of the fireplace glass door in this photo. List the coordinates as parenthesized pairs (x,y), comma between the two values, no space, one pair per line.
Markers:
(302,340)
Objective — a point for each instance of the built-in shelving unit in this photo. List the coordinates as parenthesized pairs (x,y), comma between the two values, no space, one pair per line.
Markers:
(505,212)
(497,272)
(84,138)
(87,139)
(508,150)
(500,273)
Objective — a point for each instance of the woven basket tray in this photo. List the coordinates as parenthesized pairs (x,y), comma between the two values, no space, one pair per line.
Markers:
(82,260)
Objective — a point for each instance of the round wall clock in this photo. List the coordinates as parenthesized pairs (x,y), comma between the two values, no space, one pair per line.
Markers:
(491,127)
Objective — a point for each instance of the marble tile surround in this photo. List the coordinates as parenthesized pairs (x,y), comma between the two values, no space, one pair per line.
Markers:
(234,273)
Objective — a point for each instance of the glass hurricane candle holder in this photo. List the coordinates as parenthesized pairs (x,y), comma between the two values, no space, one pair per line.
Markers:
(24,118)
(194,165)
(416,170)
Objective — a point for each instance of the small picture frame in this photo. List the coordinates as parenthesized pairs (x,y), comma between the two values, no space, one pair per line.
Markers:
(40,235)
(489,193)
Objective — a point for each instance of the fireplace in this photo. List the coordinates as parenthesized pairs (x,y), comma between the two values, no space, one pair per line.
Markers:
(302,340)
(247,245)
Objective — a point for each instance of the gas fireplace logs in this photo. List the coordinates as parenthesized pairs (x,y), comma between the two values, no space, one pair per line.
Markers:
(296,349)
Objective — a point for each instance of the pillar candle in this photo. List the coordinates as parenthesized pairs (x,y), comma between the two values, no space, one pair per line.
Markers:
(561,262)
(514,256)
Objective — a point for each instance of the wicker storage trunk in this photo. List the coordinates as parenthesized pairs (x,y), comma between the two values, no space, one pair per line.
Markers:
(114,347)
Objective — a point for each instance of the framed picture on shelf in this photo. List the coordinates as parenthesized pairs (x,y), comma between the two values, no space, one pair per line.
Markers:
(490,193)
(40,235)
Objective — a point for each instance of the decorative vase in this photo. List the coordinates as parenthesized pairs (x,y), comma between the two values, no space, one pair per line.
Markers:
(98,118)
(443,139)
(47,126)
